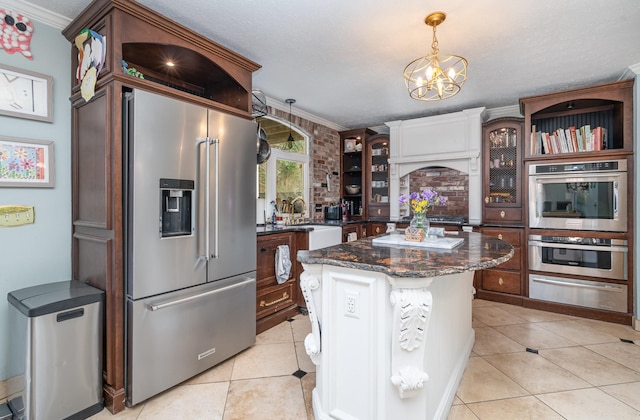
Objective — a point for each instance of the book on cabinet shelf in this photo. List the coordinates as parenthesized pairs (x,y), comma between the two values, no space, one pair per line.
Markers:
(569,140)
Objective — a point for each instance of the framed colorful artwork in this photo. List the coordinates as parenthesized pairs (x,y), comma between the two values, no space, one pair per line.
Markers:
(26,163)
(26,94)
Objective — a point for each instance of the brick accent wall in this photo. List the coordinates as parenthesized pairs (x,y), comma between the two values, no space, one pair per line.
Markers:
(448,182)
(324,158)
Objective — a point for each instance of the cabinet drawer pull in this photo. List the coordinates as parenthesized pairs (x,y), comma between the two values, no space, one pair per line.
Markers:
(500,281)
(500,236)
(284,297)
(378,229)
(486,200)
(379,211)
(502,214)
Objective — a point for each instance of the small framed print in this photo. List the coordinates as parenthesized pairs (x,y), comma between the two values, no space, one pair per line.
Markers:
(350,145)
(26,94)
(26,163)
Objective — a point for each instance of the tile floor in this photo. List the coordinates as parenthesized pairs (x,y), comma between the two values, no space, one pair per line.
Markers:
(582,370)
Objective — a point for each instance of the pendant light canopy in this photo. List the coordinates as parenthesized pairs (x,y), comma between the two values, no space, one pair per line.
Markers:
(434,76)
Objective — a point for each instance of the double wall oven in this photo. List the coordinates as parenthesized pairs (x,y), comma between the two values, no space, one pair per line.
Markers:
(578,247)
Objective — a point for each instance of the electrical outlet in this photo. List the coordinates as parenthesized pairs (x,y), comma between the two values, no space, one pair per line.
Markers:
(351,304)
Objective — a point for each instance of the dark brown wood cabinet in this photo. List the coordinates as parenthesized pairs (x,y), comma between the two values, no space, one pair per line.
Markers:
(505,282)
(609,109)
(216,78)
(376,228)
(376,185)
(348,232)
(275,302)
(503,191)
(609,106)
(352,170)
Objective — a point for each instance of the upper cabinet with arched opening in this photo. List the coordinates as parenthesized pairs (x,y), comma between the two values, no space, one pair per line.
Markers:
(200,70)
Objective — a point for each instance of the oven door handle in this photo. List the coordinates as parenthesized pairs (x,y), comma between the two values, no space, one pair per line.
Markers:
(608,288)
(579,247)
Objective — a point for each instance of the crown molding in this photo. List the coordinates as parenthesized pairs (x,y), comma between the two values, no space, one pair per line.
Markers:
(504,111)
(38,13)
(274,103)
(631,72)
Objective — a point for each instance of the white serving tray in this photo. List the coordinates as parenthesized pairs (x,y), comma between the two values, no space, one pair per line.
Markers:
(440,243)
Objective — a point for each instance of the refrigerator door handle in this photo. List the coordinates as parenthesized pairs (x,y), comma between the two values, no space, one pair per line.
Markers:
(216,180)
(199,142)
(191,298)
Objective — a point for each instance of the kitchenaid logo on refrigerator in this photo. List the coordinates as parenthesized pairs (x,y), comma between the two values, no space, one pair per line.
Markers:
(206,353)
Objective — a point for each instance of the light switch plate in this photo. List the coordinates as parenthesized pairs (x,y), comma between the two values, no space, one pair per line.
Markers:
(16,215)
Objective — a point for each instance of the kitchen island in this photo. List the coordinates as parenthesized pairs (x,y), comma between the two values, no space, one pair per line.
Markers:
(391,324)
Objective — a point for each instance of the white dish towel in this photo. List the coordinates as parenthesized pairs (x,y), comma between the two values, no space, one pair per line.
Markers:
(283,263)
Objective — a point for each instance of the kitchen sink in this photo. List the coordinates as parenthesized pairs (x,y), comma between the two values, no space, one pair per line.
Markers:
(323,236)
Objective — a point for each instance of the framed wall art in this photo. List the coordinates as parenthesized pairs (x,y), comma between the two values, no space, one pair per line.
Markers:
(26,94)
(26,163)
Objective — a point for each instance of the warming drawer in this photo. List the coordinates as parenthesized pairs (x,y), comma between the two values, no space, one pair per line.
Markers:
(590,294)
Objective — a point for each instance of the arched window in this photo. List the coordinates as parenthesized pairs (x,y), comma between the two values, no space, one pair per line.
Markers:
(285,176)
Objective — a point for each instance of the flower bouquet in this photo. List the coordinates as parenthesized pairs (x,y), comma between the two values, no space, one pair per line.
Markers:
(419,203)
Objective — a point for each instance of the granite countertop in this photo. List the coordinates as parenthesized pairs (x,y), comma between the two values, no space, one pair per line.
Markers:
(477,252)
(306,227)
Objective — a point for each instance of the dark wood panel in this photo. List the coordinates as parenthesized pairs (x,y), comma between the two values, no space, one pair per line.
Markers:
(275,298)
(92,161)
(266,255)
(501,281)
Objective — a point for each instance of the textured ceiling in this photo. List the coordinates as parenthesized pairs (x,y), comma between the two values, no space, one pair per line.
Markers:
(343,60)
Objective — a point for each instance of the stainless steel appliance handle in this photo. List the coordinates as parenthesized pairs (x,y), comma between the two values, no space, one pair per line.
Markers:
(216,180)
(611,288)
(191,298)
(199,143)
(579,247)
(615,199)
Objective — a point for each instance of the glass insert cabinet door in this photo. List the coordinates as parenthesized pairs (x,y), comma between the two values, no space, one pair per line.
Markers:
(502,166)
(502,171)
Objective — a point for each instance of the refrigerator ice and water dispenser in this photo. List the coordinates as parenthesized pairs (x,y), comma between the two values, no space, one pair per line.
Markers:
(176,207)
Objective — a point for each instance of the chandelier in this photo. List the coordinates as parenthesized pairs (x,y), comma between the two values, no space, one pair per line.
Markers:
(434,77)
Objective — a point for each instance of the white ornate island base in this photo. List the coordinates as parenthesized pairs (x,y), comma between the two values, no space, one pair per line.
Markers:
(386,347)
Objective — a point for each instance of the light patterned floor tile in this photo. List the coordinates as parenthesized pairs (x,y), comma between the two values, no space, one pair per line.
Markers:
(477,303)
(300,327)
(218,373)
(591,403)
(266,398)
(590,366)
(490,341)
(617,330)
(535,373)
(623,353)
(281,333)
(482,382)
(308,382)
(304,361)
(493,315)
(534,315)
(461,412)
(579,333)
(522,408)
(127,414)
(627,393)
(265,360)
(202,401)
(475,323)
(532,336)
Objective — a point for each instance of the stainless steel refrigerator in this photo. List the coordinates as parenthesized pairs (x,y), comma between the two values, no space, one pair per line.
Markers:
(190,192)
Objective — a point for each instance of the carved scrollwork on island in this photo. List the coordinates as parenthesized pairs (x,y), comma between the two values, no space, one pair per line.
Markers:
(308,284)
(411,315)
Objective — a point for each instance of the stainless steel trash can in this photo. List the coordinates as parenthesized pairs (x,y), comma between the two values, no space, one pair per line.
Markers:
(55,351)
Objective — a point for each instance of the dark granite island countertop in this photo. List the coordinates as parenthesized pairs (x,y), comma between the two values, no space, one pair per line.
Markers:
(477,252)
(391,330)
